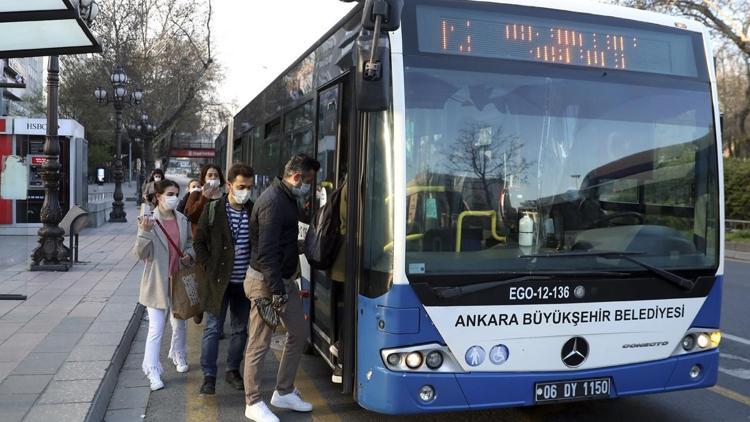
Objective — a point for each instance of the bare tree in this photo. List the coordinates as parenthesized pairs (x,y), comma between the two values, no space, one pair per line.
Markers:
(165,47)
(488,153)
(729,21)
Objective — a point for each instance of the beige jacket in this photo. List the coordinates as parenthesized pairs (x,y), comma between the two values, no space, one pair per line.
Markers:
(152,247)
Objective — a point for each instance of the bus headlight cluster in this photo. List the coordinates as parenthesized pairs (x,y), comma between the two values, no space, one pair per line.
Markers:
(426,358)
(701,340)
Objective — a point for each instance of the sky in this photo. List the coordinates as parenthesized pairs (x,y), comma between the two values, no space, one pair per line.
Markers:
(255,40)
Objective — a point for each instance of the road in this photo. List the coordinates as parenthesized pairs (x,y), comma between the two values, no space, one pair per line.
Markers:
(728,401)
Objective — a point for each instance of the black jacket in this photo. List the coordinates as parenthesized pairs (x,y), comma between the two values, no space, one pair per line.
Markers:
(214,248)
(273,235)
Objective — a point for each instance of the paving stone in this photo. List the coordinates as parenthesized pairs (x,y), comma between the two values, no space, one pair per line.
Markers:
(15,406)
(74,325)
(87,309)
(78,391)
(22,313)
(125,415)
(18,345)
(89,353)
(39,327)
(40,364)
(93,370)
(132,378)
(133,361)
(101,339)
(117,312)
(129,398)
(6,368)
(24,384)
(8,328)
(108,327)
(69,412)
(62,342)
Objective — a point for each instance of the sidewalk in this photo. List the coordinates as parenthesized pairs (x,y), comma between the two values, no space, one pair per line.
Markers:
(62,349)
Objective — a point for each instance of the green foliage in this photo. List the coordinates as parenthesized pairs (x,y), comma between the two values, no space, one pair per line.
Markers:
(737,188)
(738,236)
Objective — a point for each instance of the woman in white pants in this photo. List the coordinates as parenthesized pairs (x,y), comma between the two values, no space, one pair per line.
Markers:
(162,261)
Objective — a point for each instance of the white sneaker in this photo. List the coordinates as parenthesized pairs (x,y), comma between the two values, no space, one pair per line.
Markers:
(181,364)
(290,401)
(259,412)
(155,381)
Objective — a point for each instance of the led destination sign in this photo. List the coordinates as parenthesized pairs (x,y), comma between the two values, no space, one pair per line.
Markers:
(529,38)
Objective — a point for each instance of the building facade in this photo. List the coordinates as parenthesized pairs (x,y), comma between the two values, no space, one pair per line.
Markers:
(16,101)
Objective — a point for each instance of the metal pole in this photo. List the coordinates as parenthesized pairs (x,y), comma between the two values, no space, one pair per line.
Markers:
(130,162)
(51,254)
(118,213)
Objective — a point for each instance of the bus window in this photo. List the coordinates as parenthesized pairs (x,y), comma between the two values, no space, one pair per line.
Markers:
(328,118)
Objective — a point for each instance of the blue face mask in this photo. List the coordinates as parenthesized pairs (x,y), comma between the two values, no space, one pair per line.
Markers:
(301,191)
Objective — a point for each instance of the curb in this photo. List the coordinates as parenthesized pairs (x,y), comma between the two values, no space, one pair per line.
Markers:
(98,409)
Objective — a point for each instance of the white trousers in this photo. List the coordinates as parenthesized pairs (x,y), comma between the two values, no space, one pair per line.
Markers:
(178,349)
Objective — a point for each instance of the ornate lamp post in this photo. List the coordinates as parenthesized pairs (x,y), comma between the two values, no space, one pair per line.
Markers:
(52,254)
(119,98)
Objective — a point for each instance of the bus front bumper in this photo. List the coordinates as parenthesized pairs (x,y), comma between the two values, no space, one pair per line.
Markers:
(398,392)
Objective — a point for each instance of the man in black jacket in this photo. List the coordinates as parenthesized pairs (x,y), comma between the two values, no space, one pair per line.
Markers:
(222,244)
(273,263)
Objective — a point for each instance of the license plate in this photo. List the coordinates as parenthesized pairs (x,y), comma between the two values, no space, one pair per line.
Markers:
(594,388)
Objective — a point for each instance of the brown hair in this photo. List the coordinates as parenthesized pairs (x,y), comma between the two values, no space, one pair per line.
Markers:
(240,169)
(204,171)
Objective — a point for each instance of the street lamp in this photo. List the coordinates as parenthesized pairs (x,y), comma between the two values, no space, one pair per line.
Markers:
(119,98)
(26,30)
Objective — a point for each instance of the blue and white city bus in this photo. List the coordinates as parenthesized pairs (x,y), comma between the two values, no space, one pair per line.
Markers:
(535,204)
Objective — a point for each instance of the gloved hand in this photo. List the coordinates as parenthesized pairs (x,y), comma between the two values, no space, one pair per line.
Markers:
(279,300)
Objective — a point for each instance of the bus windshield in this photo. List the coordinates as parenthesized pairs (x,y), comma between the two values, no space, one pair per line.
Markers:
(502,165)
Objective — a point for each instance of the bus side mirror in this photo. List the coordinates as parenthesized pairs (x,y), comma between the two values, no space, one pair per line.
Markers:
(373,54)
(389,12)
(373,78)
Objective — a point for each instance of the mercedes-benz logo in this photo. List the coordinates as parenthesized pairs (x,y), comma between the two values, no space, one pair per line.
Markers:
(574,352)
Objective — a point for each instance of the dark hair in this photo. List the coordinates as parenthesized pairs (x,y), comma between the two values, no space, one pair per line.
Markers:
(161,186)
(206,168)
(301,163)
(155,172)
(239,169)
(193,180)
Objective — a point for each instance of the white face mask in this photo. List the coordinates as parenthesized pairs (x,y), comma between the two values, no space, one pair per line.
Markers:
(241,195)
(171,202)
(213,183)
(157,178)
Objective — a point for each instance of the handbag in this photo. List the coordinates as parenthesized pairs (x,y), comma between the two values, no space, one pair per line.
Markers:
(267,313)
(185,286)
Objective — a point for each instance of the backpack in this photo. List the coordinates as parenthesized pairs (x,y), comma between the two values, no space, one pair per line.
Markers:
(324,238)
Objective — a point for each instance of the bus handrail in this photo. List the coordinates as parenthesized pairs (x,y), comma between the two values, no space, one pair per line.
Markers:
(493,225)
(414,236)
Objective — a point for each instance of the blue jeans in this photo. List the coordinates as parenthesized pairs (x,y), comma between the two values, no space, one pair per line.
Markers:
(238,305)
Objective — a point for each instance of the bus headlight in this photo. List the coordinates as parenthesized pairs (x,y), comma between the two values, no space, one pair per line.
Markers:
(394,359)
(434,359)
(688,342)
(703,340)
(715,338)
(414,360)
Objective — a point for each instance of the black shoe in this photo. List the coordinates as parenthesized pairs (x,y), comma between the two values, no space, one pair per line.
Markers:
(198,318)
(234,379)
(222,336)
(209,385)
(337,376)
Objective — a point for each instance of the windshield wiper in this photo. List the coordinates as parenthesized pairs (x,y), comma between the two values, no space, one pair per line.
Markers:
(455,291)
(446,292)
(671,277)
